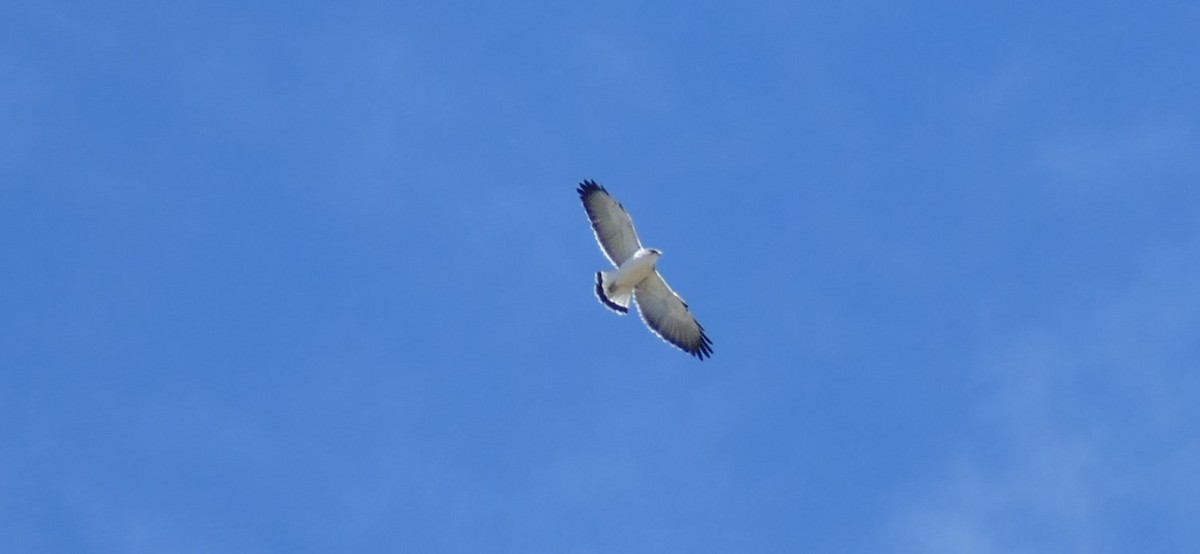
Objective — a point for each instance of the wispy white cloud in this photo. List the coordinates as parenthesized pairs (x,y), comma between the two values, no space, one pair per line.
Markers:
(1107,155)
(1084,429)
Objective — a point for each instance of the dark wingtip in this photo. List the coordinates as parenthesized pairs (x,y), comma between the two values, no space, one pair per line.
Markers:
(589,186)
(604,298)
(702,349)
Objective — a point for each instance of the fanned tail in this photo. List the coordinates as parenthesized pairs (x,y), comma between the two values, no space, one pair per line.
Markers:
(617,301)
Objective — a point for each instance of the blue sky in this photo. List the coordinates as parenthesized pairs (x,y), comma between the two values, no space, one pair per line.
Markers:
(310,278)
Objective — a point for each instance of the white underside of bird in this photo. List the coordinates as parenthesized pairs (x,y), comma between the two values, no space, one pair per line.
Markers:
(635,277)
(618,285)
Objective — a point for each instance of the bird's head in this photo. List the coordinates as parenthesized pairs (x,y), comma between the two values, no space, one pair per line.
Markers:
(654,252)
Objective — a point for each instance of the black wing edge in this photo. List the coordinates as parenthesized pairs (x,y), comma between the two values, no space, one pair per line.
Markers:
(603,298)
(701,349)
(588,187)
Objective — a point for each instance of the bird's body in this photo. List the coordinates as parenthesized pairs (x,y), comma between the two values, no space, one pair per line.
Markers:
(616,287)
(636,269)
(636,277)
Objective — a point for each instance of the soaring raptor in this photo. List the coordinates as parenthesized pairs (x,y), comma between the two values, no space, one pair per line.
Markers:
(635,276)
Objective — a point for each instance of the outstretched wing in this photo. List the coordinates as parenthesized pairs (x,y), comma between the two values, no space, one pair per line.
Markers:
(669,317)
(611,223)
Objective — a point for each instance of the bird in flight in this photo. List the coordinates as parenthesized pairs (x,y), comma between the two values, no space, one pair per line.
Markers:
(636,278)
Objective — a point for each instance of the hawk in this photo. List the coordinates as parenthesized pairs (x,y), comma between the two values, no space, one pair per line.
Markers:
(636,277)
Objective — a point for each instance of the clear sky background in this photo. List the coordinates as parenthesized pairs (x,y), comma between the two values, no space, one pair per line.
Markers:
(304,277)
